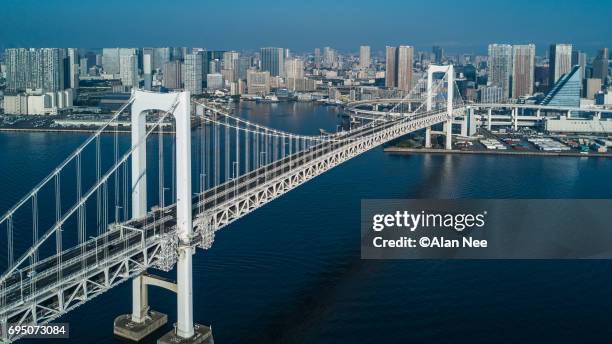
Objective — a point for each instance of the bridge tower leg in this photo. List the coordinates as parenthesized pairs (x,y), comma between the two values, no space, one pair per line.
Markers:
(142,321)
(450,79)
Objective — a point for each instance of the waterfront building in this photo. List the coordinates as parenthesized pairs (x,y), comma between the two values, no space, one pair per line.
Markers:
(567,91)
(258,82)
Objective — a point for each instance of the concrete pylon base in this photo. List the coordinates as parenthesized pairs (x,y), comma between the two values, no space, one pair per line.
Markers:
(126,328)
(203,334)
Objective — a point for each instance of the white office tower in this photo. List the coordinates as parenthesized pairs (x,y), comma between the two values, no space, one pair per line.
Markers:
(294,68)
(364,57)
(110,61)
(129,70)
(147,68)
(500,67)
(73,62)
(192,72)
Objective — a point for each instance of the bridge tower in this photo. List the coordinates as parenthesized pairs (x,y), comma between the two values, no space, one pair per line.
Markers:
(450,80)
(142,321)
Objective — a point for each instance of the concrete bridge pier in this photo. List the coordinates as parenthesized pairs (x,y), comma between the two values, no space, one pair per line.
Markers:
(428,137)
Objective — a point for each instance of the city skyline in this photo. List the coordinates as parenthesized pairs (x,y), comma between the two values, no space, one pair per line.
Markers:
(130,24)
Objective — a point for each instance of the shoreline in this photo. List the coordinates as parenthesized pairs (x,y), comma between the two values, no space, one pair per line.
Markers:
(401,150)
(80,131)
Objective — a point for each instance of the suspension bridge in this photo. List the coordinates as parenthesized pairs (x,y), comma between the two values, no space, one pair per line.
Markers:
(98,220)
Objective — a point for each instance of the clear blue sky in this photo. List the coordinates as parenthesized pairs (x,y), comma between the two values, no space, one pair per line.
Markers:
(458,26)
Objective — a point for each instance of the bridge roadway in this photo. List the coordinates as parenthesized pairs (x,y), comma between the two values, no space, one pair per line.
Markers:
(42,292)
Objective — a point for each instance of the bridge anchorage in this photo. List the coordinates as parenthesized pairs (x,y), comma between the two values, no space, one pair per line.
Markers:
(239,166)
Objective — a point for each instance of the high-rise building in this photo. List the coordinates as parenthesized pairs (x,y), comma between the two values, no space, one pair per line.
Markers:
(523,68)
(110,61)
(129,69)
(438,53)
(294,68)
(212,56)
(405,56)
(591,87)
(214,81)
(258,82)
(173,75)
(364,57)
(500,67)
(192,70)
(579,58)
(567,90)
(273,61)
(73,69)
(229,59)
(148,58)
(560,61)
(317,58)
(45,69)
(600,65)
(160,57)
(241,65)
(329,57)
(391,67)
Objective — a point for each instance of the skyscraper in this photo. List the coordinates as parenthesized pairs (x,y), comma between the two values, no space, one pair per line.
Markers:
(317,58)
(241,65)
(390,67)
(438,54)
(364,57)
(43,69)
(500,67)
(329,57)
(129,69)
(173,76)
(193,72)
(148,57)
(523,67)
(294,68)
(579,58)
(229,59)
(405,56)
(600,65)
(560,61)
(110,61)
(273,61)
(160,57)
(73,69)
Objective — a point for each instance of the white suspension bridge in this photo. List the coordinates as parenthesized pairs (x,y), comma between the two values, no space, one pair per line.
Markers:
(93,224)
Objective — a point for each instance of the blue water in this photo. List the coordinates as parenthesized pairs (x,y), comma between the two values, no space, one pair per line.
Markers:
(291,272)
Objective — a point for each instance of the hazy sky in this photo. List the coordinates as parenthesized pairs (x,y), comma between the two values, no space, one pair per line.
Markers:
(458,26)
